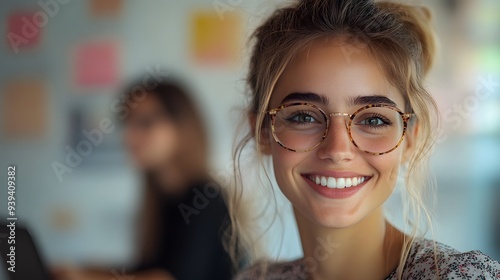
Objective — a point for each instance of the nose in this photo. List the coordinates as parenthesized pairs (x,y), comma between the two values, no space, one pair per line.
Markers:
(337,145)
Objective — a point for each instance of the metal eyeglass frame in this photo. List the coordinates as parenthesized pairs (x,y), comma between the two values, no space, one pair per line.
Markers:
(405,117)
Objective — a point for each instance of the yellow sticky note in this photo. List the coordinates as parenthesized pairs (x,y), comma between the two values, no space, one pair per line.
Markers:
(215,40)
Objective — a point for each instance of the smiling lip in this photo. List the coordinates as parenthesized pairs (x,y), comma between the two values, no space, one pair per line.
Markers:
(336,184)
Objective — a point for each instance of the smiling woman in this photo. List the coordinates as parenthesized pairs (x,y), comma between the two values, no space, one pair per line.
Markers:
(338,105)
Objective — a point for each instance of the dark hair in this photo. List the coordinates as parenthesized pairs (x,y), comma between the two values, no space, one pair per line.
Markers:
(171,94)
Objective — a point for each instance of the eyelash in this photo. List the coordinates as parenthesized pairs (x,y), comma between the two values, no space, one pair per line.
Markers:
(296,114)
(386,122)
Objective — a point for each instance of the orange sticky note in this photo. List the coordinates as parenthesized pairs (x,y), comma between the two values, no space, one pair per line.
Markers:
(25,109)
(106,8)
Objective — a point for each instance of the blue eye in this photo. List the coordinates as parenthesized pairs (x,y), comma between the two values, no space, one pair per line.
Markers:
(302,118)
(375,121)
(372,122)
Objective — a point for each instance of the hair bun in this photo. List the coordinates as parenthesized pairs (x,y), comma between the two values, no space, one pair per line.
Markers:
(417,20)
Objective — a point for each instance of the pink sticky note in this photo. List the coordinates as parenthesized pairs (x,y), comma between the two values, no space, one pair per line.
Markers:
(23,30)
(96,64)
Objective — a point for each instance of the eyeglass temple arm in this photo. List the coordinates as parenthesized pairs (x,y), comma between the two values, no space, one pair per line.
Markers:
(408,116)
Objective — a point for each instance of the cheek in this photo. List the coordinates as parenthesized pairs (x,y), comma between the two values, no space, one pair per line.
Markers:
(387,168)
(129,139)
(284,162)
(134,141)
(162,142)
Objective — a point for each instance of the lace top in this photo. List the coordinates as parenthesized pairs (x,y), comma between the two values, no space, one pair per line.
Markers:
(419,265)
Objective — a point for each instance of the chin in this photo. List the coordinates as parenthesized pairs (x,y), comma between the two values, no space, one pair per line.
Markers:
(337,217)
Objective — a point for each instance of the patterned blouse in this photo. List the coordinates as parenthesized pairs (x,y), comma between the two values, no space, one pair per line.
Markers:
(419,265)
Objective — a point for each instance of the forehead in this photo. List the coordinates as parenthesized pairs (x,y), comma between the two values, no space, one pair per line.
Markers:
(148,104)
(337,70)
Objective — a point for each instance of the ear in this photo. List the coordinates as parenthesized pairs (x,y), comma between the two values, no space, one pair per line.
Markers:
(264,135)
(410,140)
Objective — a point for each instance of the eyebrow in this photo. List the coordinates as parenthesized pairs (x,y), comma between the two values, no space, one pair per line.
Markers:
(352,101)
(371,99)
(305,96)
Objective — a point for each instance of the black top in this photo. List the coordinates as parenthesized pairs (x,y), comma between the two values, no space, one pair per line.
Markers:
(191,235)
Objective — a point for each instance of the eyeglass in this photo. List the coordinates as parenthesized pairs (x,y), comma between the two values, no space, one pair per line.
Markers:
(376,129)
(146,121)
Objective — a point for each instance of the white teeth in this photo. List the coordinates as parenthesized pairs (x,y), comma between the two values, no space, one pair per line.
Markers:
(323,181)
(348,182)
(338,183)
(341,183)
(331,182)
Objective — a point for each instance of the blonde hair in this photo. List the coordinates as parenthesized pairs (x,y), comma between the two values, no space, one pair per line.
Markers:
(399,36)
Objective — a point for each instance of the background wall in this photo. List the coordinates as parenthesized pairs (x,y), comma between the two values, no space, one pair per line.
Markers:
(87,216)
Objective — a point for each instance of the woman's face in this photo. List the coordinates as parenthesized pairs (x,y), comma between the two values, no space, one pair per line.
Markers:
(150,137)
(336,78)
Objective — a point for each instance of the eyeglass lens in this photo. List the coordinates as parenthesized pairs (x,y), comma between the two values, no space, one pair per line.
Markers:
(373,129)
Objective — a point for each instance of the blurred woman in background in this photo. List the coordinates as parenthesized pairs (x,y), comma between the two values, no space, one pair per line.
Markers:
(184,215)
(184,211)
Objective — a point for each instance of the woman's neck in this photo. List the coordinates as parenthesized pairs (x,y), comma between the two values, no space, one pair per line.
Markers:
(369,249)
